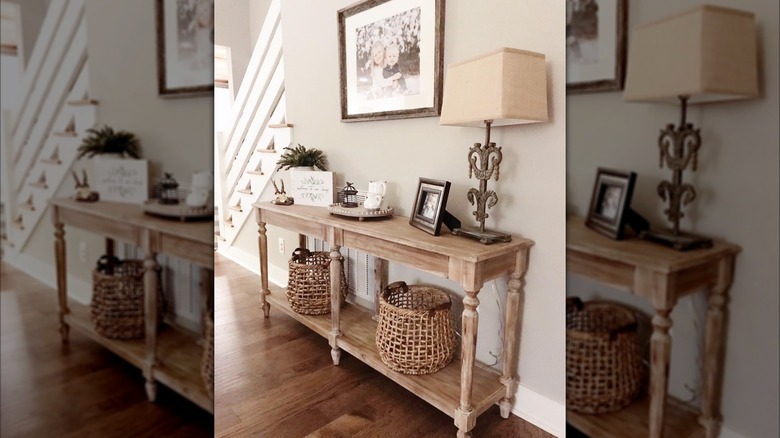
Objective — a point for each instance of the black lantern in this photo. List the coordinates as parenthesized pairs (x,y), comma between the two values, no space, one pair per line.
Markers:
(348,196)
(168,192)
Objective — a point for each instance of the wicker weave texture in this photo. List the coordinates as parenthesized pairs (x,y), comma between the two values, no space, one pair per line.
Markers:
(117,308)
(207,361)
(308,286)
(415,333)
(604,370)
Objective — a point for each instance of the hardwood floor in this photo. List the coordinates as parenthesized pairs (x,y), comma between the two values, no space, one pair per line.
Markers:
(79,389)
(274,378)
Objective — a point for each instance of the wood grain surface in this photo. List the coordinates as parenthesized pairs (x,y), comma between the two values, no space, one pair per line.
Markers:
(275,378)
(78,389)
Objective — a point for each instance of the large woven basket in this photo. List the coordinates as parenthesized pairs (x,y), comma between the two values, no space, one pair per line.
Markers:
(308,286)
(604,370)
(117,308)
(207,360)
(415,333)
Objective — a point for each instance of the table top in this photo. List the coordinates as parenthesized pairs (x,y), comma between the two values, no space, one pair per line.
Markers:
(134,215)
(396,229)
(638,252)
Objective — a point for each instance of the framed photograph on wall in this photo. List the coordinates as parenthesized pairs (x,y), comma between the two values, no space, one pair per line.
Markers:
(185,47)
(390,59)
(429,205)
(610,202)
(595,45)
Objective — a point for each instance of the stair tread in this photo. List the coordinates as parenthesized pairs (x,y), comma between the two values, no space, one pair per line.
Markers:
(39,184)
(82,102)
(255,172)
(245,191)
(65,134)
(266,151)
(55,161)
(281,125)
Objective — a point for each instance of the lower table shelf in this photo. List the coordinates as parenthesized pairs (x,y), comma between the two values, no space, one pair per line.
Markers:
(440,389)
(178,353)
(680,421)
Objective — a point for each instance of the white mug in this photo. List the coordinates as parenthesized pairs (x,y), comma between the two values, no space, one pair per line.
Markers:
(373,201)
(377,187)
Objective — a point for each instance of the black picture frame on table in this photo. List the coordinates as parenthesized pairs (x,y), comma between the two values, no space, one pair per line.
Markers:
(610,202)
(430,205)
(418,33)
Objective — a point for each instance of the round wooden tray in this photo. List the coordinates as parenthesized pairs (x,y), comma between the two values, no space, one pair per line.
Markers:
(360,211)
(181,211)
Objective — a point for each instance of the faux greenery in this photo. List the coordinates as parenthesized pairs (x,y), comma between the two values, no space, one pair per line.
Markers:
(107,141)
(299,156)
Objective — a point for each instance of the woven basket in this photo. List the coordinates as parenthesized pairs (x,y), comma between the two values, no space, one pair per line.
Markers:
(207,361)
(117,308)
(604,371)
(415,333)
(308,286)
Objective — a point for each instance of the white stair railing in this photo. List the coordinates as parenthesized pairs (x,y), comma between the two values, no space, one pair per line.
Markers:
(246,158)
(53,114)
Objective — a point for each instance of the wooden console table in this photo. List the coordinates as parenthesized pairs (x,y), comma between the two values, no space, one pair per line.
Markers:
(170,356)
(662,276)
(464,389)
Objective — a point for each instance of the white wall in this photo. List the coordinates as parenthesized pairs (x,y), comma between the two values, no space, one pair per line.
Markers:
(400,151)
(32,14)
(231,28)
(738,192)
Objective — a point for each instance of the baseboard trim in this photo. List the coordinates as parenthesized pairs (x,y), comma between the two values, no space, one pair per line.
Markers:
(540,411)
(78,289)
(251,262)
(728,433)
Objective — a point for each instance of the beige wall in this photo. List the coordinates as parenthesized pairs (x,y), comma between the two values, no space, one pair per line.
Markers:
(738,192)
(400,151)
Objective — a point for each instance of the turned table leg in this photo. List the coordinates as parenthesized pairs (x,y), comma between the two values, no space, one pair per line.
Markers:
(660,350)
(380,282)
(151,281)
(335,302)
(713,349)
(62,279)
(464,415)
(511,328)
(262,242)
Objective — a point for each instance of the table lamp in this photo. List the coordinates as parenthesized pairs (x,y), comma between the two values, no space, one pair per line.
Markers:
(703,55)
(503,87)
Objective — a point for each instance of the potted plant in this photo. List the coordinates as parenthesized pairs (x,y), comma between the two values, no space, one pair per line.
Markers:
(107,141)
(300,156)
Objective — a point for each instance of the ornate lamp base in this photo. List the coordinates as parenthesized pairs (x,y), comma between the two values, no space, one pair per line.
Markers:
(681,242)
(486,237)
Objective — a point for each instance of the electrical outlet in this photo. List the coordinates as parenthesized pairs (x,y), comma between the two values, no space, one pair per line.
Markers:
(83,252)
(281,245)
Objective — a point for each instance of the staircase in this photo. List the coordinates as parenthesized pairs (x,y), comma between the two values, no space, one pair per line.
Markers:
(245,157)
(54,112)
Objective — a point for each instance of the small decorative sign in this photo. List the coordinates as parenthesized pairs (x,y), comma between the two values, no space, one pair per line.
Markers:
(312,187)
(122,180)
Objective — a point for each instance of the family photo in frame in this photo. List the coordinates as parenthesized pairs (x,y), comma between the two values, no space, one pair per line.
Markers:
(610,202)
(595,45)
(185,47)
(390,59)
(429,205)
